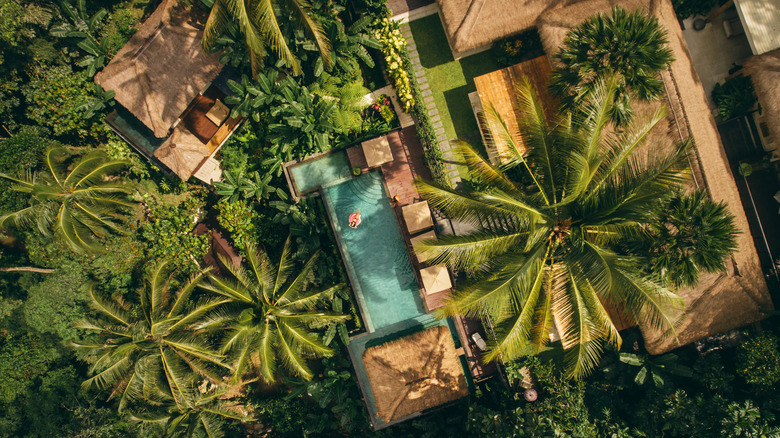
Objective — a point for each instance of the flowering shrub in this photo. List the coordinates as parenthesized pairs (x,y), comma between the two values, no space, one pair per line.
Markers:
(518,48)
(393,45)
(381,108)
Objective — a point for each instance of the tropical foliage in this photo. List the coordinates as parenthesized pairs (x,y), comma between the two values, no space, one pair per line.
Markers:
(629,48)
(80,206)
(735,97)
(261,24)
(547,247)
(149,352)
(270,311)
(689,234)
(393,47)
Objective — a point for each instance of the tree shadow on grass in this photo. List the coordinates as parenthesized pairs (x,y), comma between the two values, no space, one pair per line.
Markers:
(431,41)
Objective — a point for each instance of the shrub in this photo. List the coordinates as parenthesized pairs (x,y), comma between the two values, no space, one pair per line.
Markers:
(394,47)
(522,47)
(20,154)
(117,149)
(736,97)
(758,361)
(118,30)
(59,99)
(169,234)
(237,218)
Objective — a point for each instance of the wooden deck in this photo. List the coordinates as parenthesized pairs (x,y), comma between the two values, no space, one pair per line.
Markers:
(499,89)
(480,370)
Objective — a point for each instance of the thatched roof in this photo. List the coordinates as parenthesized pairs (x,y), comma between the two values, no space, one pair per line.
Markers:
(720,302)
(182,152)
(764,71)
(474,24)
(414,373)
(162,68)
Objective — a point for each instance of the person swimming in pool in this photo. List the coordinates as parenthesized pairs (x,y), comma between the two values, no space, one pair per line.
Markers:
(355,219)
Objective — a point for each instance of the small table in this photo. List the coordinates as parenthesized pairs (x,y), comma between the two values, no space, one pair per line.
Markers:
(218,113)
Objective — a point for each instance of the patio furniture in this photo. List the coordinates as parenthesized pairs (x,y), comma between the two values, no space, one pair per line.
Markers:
(417,217)
(218,113)
(435,279)
(417,239)
(377,151)
(479,342)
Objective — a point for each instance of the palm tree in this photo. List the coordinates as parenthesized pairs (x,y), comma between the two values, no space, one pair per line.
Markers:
(628,46)
(257,20)
(148,351)
(196,414)
(546,249)
(271,314)
(689,234)
(79,206)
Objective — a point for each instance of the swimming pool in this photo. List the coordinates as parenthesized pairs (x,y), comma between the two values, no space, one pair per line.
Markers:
(374,252)
(321,172)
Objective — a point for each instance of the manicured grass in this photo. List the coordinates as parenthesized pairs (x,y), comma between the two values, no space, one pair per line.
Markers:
(451,81)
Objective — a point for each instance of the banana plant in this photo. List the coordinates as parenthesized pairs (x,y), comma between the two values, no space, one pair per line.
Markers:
(103,99)
(253,186)
(85,27)
(656,367)
(350,46)
(251,97)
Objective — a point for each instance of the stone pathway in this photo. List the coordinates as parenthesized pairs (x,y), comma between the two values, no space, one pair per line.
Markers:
(430,106)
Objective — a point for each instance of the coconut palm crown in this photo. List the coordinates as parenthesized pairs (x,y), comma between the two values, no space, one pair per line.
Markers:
(630,47)
(149,352)
(258,21)
(271,314)
(546,251)
(79,205)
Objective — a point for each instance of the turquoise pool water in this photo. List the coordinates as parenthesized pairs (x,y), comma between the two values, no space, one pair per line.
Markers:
(321,172)
(375,255)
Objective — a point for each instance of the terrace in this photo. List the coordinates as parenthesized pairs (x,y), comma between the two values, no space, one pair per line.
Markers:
(170,94)
(385,273)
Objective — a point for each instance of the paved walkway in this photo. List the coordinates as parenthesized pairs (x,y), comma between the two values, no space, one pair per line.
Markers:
(430,106)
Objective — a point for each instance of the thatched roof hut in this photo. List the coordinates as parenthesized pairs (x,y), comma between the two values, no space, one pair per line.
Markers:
(162,68)
(720,302)
(182,152)
(764,71)
(414,373)
(474,24)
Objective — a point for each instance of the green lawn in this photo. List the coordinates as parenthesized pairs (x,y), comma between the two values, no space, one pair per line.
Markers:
(451,81)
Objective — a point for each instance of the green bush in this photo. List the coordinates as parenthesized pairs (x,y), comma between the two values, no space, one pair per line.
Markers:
(20,154)
(120,27)
(758,361)
(522,47)
(736,97)
(169,234)
(237,218)
(58,99)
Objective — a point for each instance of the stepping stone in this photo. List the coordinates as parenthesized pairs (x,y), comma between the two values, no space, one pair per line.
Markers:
(439,131)
(411,47)
(447,154)
(425,86)
(430,106)
(415,61)
(454,173)
(443,143)
(435,118)
(437,124)
(422,80)
(429,99)
(414,53)
(427,92)
(455,180)
(419,73)
(432,112)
